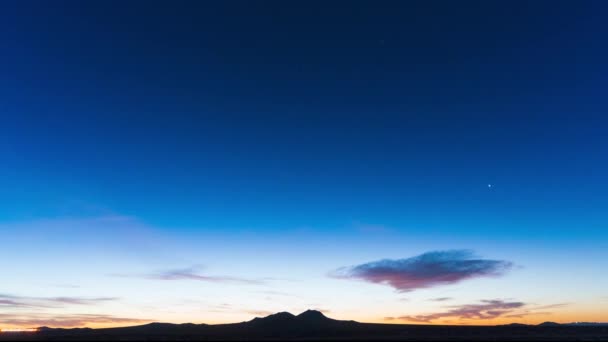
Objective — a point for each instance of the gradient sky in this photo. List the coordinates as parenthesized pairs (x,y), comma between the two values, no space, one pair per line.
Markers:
(213,162)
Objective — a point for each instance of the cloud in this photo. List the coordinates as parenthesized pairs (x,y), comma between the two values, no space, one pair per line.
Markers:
(484,310)
(440,299)
(193,273)
(425,270)
(487,309)
(66,286)
(533,310)
(16,305)
(81,301)
(11,301)
(34,320)
(552,306)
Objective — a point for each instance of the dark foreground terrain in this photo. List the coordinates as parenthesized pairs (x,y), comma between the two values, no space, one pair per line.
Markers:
(313,325)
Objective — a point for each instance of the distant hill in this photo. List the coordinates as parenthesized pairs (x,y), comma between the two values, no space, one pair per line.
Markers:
(588,324)
(574,324)
(314,325)
(548,324)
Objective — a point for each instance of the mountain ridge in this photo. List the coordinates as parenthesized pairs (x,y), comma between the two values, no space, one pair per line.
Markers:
(314,325)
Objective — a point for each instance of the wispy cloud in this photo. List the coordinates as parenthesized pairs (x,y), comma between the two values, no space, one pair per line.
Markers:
(440,299)
(487,309)
(425,270)
(193,273)
(534,310)
(551,306)
(66,286)
(34,320)
(81,300)
(483,310)
(12,301)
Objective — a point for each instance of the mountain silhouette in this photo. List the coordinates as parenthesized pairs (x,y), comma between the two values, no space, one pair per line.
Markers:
(548,324)
(277,318)
(314,325)
(313,316)
(306,318)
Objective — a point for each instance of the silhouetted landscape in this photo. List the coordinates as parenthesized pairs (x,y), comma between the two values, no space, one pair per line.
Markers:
(313,325)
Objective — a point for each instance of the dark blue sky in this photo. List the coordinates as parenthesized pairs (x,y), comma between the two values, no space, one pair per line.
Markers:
(247,134)
(309,110)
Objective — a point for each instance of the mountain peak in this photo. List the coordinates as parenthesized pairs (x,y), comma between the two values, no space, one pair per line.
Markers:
(312,314)
(277,317)
(282,314)
(306,317)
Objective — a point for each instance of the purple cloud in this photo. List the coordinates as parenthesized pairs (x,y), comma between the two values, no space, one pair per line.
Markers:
(192,274)
(80,301)
(488,309)
(425,270)
(11,301)
(33,320)
(440,299)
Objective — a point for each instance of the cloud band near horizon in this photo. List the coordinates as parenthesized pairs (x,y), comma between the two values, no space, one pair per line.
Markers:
(487,309)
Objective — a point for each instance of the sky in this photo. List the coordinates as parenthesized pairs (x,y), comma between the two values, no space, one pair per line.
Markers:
(399,162)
